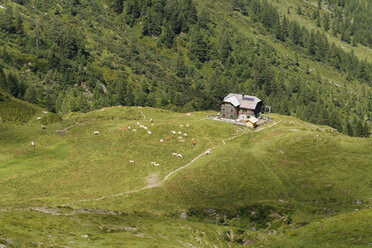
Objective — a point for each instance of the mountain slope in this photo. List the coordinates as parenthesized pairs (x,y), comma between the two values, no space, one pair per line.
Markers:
(88,54)
(288,173)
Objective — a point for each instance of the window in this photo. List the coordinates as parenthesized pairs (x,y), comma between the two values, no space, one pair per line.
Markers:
(223,109)
(231,116)
(224,115)
(232,110)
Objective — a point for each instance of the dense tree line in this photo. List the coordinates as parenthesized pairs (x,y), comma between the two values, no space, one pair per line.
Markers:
(172,54)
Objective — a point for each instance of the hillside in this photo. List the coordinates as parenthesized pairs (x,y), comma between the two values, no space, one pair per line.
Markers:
(85,55)
(124,187)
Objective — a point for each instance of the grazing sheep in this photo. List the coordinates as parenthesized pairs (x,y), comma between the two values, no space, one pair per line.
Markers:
(193,142)
(174,154)
(174,132)
(38,118)
(179,132)
(179,155)
(134,130)
(185,134)
(45,112)
(187,125)
(145,128)
(208,152)
(161,141)
(179,137)
(138,123)
(181,140)
(43,127)
(151,120)
(181,125)
(149,132)
(129,127)
(131,161)
(32,143)
(96,132)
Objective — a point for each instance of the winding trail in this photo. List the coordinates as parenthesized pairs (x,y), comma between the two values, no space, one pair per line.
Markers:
(55,211)
(170,173)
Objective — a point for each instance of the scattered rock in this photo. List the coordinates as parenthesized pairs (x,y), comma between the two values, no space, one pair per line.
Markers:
(183,215)
(249,242)
(129,228)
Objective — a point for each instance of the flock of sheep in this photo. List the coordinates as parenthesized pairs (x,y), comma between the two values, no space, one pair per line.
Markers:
(181,137)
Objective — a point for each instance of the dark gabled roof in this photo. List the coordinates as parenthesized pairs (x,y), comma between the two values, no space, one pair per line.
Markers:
(243,101)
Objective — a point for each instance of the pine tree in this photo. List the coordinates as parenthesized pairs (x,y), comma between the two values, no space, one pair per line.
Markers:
(198,45)
(31,94)
(167,37)
(326,22)
(224,46)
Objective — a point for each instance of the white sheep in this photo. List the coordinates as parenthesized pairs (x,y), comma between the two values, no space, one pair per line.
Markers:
(185,134)
(179,137)
(174,154)
(208,152)
(179,155)
(96,132)
(129,127)
(181,125)
(179,132)
(187,125)
(32,143)
(131,161)
(149,132)
(161,141)
(134,130)
(174,132)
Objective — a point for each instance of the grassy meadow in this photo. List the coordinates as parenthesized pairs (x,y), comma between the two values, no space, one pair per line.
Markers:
(269,186)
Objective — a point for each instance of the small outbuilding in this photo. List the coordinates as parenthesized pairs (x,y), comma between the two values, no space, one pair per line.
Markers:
(252,122)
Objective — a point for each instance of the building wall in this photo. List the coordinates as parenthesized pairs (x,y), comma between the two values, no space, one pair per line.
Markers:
(228,111)
(246,112)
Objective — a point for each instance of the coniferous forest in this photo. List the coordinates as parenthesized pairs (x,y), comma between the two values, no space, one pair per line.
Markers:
(186,55)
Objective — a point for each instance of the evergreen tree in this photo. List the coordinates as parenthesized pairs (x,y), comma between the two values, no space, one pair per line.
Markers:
(167,37)
(31,94)
(326,22)
(198,45)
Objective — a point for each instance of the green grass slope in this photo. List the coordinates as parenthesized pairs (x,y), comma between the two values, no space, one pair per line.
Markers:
(347,230)
(263,183)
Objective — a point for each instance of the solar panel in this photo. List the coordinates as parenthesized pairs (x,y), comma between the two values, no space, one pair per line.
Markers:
(248,98)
